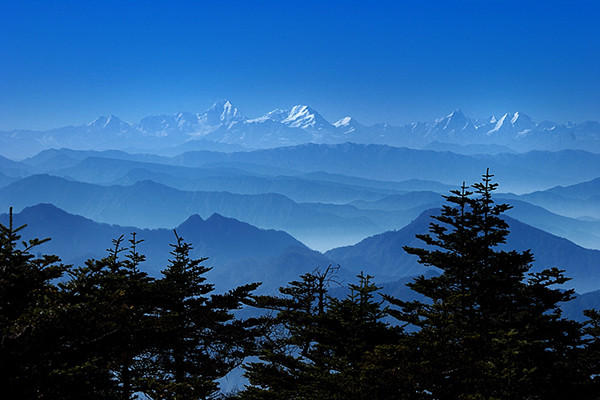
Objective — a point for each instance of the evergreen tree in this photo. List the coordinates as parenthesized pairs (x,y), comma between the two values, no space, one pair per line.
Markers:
(109,325)
(591,359)
(198,339)
(288,363)
(322,347)
(489,330)
(30,304)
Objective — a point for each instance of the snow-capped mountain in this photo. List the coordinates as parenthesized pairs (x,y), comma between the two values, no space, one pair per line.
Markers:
(299,116)
(454,127)
(224,124)
(164,125)
(454,122)
(347,125)
(517,123)
(304,125)
(109,123)
(304,117)
(219,114)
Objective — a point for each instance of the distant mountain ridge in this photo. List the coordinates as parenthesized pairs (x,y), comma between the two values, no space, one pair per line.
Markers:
(148,204)
(225,124)
(238,252)
(242,253)
(383,255)
(364,191)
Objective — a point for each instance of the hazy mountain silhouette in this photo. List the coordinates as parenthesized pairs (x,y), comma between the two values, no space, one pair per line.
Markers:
(150,205)
(518,172)
(382,255)
(238,252)
(579,200)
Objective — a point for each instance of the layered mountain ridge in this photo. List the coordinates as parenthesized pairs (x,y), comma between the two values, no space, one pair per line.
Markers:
(241,252)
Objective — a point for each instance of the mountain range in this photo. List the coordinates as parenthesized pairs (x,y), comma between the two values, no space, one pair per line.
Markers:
(240,252)
(383,255)
(526,172)
(150,205)
(368,189)
(225,126)
(297,183)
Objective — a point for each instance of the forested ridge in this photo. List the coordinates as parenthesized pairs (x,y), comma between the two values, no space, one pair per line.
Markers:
(487,329)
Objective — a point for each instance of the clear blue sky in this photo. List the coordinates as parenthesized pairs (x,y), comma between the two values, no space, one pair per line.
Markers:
(67,62)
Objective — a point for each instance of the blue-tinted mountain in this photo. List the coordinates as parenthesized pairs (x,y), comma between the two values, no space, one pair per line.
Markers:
(223,123)
(584,190)
(400,186)
(125,172)
(52,160)
(147,204)
(221,172)
(579,200)
(383,255)
(238,252)
(401,201)
(585,233)
(12,168)
(469,149)
(586,301)
(517,172)
(5,180)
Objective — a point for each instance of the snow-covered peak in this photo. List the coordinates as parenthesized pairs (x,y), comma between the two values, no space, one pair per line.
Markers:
(108,122)
(457,114)
(230,113)
(346,121)
(185,116)
(299,116)
(499,124)
(276,115)
(220,113)
(348,125)
(548,125)
(516,123)
(455,121)
(101,121)
(514,118)
(522,123)
(164,125)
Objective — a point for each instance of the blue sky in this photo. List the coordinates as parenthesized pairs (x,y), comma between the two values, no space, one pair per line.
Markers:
(67,62)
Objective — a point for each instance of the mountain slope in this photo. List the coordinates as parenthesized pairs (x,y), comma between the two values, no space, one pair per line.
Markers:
(577,201)
(238,252)
(383,255)
(517,172)
(150,205)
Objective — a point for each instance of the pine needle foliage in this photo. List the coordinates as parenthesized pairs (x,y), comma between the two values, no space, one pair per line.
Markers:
(489,329)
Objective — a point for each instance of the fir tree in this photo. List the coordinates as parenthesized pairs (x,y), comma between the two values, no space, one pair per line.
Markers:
(489,330)
(198,339)
(30,305)
(323,347)
(590,361)
(109,304)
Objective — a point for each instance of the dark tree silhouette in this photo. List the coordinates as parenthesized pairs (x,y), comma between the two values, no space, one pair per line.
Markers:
(30,307)
(198,339)
(489,330)
(322,347)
